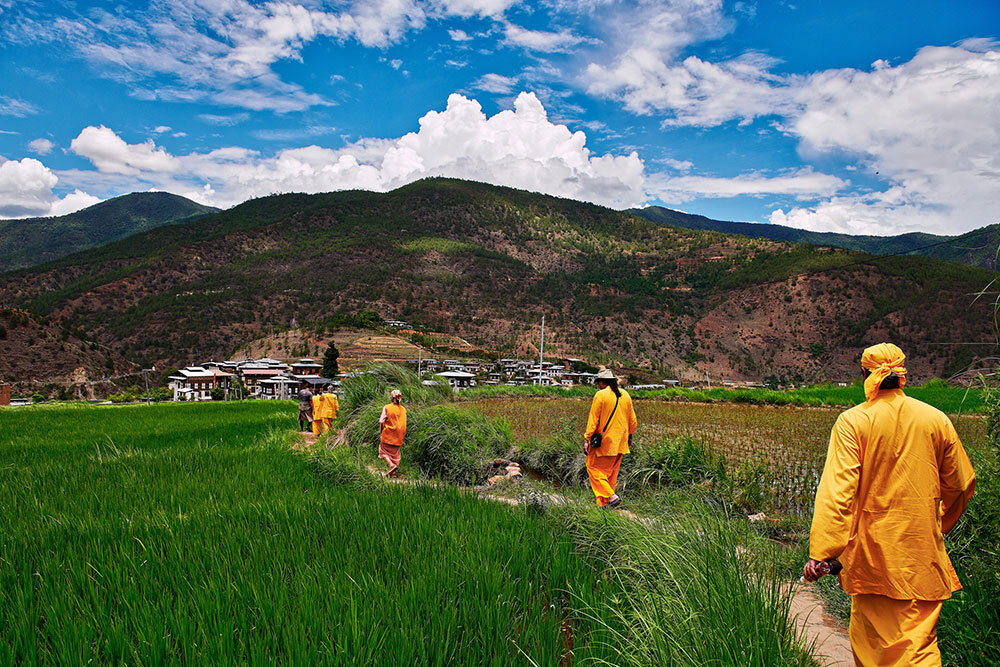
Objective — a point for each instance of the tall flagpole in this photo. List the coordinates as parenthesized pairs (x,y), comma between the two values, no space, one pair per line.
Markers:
(541,351)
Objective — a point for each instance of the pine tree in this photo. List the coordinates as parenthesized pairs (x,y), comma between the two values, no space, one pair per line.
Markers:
(330,367)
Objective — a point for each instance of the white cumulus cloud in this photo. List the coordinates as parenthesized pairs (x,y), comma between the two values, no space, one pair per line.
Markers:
(26,191)
(518,147)
(543,40)
(110,153)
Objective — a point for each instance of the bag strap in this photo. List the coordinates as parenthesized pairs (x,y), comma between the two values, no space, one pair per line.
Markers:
(617,398)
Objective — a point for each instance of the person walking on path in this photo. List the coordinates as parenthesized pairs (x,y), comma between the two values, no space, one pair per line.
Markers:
(305,409)
(612,419)
(392,431)
(896,479)
(330,407)
(317,411)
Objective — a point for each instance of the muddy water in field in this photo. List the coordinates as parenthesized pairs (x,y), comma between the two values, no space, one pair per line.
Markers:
(792,441)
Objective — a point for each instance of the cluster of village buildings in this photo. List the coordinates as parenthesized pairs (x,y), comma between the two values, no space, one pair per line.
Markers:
(274,379)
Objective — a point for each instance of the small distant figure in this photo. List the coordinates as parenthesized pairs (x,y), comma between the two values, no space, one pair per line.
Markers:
(612,420)
(392,431)
(896,480)
(305,409)
(317,410)
(330,407)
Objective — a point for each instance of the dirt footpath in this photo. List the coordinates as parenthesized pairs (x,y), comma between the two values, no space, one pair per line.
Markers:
(832,644)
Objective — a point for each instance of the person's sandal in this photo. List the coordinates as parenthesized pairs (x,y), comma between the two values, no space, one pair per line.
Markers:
(614,502)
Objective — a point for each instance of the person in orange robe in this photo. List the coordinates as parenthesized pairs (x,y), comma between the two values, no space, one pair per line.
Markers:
(318,407)
(330,407)
(392,431)
(896,480)
(617,425)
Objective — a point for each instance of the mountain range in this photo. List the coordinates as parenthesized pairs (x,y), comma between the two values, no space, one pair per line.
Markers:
(485,263)
(28,241)
(976,248)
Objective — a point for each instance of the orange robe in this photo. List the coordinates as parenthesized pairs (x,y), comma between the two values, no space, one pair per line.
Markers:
(317,401)
(393,422)
(603,464)
(329,410)
(896,479)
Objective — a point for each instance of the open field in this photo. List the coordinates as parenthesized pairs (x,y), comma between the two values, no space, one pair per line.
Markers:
(177,533)
(792,441)
(950,399)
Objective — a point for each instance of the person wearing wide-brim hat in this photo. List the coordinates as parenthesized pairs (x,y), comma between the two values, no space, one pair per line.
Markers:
(612,418)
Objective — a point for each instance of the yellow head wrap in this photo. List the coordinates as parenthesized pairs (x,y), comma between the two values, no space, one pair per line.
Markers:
(882,360)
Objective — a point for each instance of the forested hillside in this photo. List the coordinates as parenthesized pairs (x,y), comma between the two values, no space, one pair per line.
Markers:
(30,241)
(975,248)
(485,263)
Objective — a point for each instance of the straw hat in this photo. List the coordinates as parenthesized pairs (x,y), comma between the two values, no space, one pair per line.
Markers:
(605,374)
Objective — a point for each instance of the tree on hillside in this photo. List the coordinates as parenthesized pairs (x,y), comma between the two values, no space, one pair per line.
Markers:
(330,366)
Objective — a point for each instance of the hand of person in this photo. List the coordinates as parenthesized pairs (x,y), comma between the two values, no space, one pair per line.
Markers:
(586,447)
(814,569)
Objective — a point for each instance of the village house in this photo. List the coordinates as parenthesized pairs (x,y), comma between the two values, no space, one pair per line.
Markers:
(195,383)
(458,379)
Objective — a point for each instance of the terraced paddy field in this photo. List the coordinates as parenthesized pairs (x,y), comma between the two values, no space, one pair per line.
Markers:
(792,441)
(195,534)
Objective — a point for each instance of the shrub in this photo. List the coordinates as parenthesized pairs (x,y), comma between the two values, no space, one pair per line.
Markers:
(38,398)
(218,394)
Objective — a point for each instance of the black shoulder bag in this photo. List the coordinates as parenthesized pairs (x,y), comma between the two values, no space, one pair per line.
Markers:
(597,438)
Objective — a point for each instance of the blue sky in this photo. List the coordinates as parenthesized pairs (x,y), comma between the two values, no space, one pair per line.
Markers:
(860,117)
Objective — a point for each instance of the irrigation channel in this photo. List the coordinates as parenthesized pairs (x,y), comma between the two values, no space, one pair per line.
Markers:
(827,635)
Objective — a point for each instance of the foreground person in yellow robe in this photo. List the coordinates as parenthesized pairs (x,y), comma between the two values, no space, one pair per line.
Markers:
(896,479)
(617,426)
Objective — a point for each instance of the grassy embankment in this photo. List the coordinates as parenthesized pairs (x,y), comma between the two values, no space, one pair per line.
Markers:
(760,458)
(193,533)
(938,393)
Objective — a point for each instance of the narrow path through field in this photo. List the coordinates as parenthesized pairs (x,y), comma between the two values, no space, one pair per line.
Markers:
(832,646)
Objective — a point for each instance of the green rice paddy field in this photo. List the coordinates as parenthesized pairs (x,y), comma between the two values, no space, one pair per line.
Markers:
(792,441)
(194,534)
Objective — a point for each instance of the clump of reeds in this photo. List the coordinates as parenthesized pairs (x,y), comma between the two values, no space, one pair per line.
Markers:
(692,594)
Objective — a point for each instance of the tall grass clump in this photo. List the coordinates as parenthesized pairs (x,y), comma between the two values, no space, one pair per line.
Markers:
(969,626)
(455,445)
(373,384)
(667,461)
(691,594)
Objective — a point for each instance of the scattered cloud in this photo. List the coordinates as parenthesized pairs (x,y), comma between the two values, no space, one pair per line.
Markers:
(294,133)
(160,129)
(12,106)
(222,120)
(495,83)
(801,183)
(541,40)
(459,36)
(929,127)
(395,63)
(40,146)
